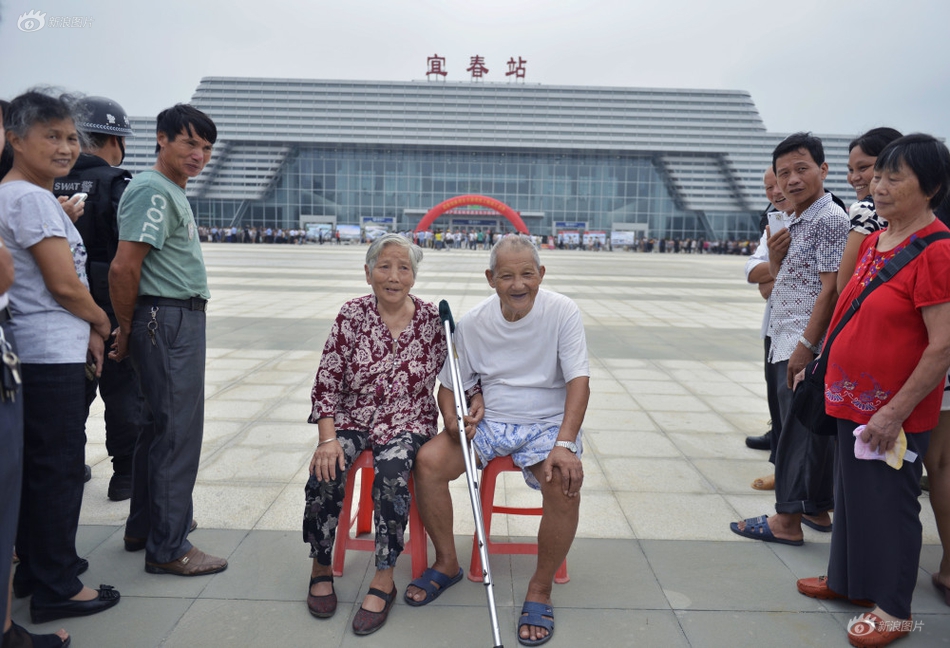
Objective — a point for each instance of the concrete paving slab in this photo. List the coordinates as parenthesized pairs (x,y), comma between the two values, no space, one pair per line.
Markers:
(654,562)
(724,576)
(718,629)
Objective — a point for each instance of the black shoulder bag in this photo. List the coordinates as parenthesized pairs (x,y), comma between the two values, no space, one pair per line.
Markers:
(808,401)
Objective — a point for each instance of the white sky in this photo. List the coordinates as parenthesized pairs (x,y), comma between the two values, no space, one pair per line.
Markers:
(829,66)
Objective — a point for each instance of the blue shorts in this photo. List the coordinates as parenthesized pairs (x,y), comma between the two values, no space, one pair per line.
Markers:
(527,444)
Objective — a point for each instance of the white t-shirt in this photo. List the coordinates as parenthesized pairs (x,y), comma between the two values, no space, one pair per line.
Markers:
(761,255)
(46,333)
(524,366)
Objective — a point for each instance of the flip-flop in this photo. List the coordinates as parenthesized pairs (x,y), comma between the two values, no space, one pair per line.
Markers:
(824,528)
(536,614)
(943,589)
(758,529)
(433,583)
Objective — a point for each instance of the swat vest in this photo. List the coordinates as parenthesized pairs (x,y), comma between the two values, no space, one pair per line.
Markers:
(98,225)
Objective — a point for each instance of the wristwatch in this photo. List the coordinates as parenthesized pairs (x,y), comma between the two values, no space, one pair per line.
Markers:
(570,445)
(808,345)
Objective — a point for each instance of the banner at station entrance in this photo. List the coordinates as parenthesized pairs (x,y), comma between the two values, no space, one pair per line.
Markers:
(592,238)
(623,238)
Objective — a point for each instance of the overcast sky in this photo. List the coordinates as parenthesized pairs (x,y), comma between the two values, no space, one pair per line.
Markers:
(829,66)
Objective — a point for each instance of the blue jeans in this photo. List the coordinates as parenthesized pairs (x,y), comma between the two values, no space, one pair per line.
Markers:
(170,366)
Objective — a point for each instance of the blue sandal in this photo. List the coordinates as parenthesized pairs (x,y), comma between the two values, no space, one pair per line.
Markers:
(758,529)
(536,614)
(433,583)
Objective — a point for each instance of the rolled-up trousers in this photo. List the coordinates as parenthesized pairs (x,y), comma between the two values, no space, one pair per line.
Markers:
(804,462)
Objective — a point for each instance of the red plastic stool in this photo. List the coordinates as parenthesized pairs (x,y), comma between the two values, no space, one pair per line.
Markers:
(487,495)
(416,545)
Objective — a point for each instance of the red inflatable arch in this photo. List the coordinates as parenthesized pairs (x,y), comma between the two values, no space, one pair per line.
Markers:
(473,199)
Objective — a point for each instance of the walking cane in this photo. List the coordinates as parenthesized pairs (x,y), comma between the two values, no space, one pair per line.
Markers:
(471,475)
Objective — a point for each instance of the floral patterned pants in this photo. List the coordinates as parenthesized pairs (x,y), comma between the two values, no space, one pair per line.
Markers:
(392,465)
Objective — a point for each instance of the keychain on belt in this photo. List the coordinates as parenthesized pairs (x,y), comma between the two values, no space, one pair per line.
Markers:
(11,381)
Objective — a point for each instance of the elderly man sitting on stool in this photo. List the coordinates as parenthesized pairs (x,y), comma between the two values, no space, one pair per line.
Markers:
(525,348)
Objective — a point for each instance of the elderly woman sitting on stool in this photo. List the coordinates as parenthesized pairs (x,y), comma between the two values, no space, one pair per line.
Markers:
(373,390)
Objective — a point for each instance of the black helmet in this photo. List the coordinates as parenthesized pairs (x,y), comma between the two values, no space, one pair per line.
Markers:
(104,116)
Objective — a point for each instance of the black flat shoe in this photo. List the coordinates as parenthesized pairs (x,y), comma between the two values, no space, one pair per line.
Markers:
(763,442)
(24,588)
(43,612)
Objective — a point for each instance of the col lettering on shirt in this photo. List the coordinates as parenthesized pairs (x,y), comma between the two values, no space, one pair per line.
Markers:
(154,224)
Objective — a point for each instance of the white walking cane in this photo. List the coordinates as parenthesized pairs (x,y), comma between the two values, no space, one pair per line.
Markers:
(471,472)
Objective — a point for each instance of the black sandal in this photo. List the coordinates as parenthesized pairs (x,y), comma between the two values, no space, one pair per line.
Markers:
(18,637)
(324,606)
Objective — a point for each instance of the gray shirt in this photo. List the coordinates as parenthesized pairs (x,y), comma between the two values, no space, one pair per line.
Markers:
(46,333)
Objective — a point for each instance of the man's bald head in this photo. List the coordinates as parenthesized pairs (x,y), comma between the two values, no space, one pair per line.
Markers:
(773,192)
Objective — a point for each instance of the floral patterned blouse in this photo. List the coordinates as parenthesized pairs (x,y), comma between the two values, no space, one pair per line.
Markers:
(368,380)
(864,219)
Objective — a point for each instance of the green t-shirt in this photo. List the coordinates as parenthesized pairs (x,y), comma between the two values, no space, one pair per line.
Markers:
(154,210)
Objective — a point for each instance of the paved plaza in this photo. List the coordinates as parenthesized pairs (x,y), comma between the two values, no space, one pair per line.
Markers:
(677,383)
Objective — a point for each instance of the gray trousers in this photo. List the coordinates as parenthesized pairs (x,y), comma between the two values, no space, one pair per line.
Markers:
(170,365)
(804,462)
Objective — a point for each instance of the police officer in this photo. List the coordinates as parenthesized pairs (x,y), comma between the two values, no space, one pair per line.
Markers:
(96,173)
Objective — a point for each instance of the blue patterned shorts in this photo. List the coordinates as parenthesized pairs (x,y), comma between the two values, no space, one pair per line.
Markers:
(528,444)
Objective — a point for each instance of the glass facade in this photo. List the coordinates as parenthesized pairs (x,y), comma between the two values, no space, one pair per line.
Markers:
(351,184)
(677,163)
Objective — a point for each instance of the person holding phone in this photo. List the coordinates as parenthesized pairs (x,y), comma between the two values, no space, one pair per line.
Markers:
(97,182)
(757,272)
(804,259)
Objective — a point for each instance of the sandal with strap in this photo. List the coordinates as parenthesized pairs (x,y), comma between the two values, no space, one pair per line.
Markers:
(433,583)
(758,529)
(536,614)
(366,622)
(18,637)
(323,606)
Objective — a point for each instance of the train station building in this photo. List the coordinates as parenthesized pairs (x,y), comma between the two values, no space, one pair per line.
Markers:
(664,163)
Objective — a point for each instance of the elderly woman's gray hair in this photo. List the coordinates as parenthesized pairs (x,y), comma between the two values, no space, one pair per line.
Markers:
(413,250)
(516,243)
(40,106)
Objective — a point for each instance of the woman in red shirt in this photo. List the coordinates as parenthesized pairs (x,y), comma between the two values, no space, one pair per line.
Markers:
(373,390)
(885,371)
